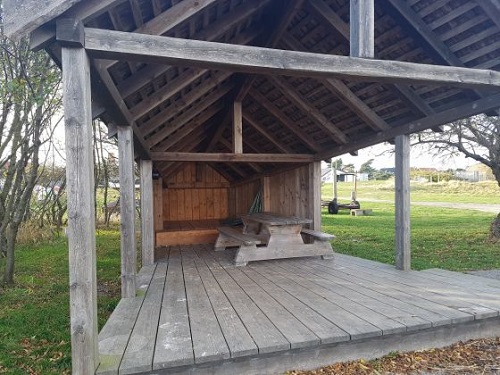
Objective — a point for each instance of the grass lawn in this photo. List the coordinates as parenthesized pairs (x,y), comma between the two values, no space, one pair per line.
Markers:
(451,191)
(34,314)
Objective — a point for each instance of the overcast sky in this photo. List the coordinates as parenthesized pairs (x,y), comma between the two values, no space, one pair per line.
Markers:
(384,158)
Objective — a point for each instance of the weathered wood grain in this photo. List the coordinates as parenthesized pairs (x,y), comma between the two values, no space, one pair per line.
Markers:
(147,212)
(402,203)
(107,44)
(138,357)
(173,342)
(208,341)
(127,211)
(229,157)
(238,339)
(81,209)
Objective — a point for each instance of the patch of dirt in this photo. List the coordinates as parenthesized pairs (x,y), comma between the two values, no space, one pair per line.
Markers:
(464,358)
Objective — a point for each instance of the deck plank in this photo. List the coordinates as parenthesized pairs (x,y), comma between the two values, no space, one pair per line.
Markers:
(322,327)
(461,279)
(139,355)
(114,336)
(267,337)
(344,319)
(295,332)
(477,303)
(173,342)
(208,341)
(376,291)
(238,339)
(428,294)
(388,318)
(143,279)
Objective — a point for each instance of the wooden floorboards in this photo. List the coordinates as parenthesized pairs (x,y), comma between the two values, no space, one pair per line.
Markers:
(195,308)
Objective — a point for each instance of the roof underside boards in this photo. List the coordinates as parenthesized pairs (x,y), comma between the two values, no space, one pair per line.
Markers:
(179,109)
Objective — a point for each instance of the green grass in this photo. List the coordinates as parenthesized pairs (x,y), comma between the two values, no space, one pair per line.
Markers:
(34,314)
(440,238)
(451,191)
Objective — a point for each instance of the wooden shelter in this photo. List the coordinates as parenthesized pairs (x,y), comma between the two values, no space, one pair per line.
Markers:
(220,99)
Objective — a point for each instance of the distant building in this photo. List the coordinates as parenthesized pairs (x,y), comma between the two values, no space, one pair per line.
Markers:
(326,176)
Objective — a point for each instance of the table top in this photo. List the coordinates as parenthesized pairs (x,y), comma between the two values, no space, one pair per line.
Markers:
(270,218)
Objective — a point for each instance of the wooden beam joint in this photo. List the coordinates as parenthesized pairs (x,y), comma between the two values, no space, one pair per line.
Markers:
(70,32)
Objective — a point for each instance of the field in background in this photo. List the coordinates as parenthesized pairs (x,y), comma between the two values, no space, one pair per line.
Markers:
(450,191)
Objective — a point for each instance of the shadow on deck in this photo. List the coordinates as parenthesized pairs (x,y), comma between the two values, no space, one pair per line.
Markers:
(197,313)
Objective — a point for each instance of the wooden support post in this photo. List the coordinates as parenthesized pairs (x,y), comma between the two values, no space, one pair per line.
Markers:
(237,128)
(315,195)
(81,209)
(158,206)
(403,250)
(127,210)
(362,28)
(147,226)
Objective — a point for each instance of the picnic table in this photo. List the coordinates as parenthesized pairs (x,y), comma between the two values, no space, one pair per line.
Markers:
(272,236)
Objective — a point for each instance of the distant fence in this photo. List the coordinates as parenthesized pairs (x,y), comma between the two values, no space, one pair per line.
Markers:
(474,176)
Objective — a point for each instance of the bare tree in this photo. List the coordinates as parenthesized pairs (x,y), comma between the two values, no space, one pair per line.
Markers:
(477,137)
(29,100)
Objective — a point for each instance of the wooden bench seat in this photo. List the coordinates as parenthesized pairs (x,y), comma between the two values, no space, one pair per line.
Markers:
(230,236)
(317,235)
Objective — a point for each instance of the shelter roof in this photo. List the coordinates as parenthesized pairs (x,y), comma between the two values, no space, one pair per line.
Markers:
(180,105)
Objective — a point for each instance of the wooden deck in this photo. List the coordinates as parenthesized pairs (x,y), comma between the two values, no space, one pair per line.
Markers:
(197,313)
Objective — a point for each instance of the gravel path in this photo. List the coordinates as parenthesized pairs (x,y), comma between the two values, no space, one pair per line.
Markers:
(493,208)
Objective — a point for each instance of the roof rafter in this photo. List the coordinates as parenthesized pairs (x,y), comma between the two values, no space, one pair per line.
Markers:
(276,35)
(108,44)
(194,122)
(348,97)
(187,116)
(285,121)
(308,109)
(255,124)
(214,31)
(152,124)
(429,35)
(470,109)
(492,8)
(325,12)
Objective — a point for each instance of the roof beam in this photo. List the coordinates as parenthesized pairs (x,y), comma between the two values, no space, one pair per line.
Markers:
(492,9)
(276,35)
(348,97)
(186,117)
(302,135)
(213,32)
(83,11)
(409,95)
(470,109)
(194,123)
(289,92)
(424,30)
(164,116)
(270,137)
(108,44)
(254,166)
(233,158)
(426,33)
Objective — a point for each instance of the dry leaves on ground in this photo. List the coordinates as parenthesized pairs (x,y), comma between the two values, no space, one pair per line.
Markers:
(472,357)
